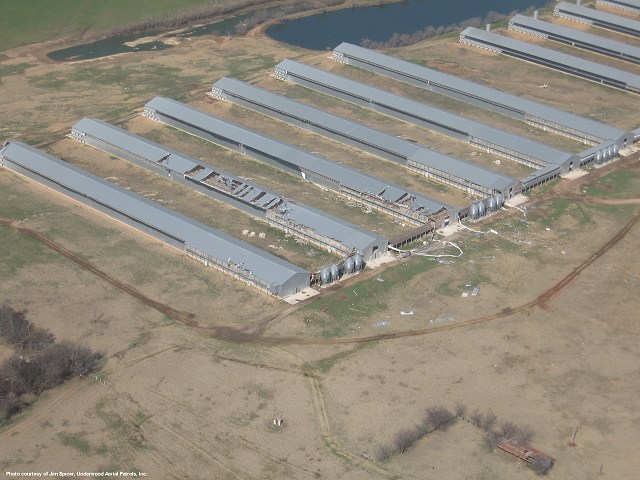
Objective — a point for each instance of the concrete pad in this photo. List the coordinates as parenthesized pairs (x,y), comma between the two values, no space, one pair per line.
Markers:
(382,260)
(516,200)
(577,173)
(300,296)
(451,229)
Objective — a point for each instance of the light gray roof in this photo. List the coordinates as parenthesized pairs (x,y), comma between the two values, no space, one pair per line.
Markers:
(524,106)
(462,125)
(569,63)
(263,265)
(345,232)
(630,4)
(599,18)
(576,37)
(173,160)
(296,157)
(449,165)
(323,223)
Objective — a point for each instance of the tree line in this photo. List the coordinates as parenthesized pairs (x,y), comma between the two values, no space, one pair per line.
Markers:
(39,362)
(403,40)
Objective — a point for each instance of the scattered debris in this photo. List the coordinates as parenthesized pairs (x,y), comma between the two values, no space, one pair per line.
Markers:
(475,292)
(538,461)
(443,319)
(262,235)
(446,262)
(278,420)
(465,294)
(381,324)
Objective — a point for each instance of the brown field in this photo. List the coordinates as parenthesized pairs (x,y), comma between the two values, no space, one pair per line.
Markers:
(190,390)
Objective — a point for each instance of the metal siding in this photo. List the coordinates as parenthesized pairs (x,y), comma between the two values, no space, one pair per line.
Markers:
(265,266)
(281,154)
(628,24)
(622,50)
(495,99)
(324,224)
(363,136)
(575,64)
(414,112)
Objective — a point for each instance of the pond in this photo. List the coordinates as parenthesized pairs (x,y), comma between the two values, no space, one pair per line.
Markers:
(379,22)
(316,32)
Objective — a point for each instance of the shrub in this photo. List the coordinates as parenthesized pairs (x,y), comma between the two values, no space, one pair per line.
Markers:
(440,418)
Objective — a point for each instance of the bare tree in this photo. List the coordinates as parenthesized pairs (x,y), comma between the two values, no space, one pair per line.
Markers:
(440,418)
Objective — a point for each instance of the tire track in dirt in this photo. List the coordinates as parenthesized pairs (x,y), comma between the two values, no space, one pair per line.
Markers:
(229,334)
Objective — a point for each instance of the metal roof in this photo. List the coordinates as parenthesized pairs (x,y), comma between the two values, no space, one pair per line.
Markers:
(413,108)
(572,64)
(577,38)
(300,159)
(598,18)
(323,223)
(492,95)
(261,264)
(628,5)
(173,160)
(449,165)
(345,232)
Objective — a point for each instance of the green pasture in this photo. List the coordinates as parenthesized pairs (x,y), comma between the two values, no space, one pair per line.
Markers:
(36,21)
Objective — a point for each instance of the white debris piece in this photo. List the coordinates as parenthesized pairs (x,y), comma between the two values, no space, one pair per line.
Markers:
(262,235)
(404,312)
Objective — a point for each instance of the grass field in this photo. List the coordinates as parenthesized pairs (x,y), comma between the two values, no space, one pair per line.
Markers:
(35,21)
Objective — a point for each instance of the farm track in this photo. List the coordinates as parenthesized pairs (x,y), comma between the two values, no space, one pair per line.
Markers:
(229,334)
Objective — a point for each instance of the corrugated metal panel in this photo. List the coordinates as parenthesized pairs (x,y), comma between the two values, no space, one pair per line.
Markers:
(324,224)
(142,149)
(468,128)
(600,18)
(348,177)
(511,102)
(574,64)
(583,39)
(340,230)
(261,264)
(632,6)
(449,165)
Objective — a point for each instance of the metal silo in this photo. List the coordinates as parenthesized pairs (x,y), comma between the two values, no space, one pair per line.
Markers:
(349,265)
(358,262)
(325,276)
(335,273)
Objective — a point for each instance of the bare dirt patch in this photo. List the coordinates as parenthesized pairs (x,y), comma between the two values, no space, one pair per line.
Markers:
(175,401)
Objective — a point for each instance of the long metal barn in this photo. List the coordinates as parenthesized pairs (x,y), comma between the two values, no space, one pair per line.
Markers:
(245,262)
(452,171)
(597,18)
(576,38)
(309,224)
(632,6)
(400,203)
(562,62)
(514,147)
(536,114)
